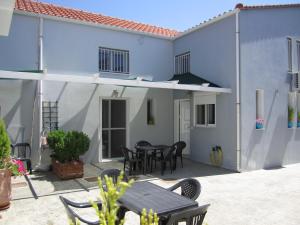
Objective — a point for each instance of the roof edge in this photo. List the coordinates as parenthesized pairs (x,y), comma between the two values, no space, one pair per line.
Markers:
(108,27)
(206,23)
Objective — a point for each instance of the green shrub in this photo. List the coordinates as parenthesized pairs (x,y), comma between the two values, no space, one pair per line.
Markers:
(5,148)
(68,146)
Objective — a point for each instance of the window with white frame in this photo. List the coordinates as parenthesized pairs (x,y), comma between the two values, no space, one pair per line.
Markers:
(290,55)
(182,63)
(204,110)
(298,54)
(113,60)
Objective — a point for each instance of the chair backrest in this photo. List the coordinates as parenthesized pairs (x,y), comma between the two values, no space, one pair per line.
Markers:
(193,216)
(142,143)
(126,153)
(180,145)
(21,150)
(114,174)
(190,188)
(169,153)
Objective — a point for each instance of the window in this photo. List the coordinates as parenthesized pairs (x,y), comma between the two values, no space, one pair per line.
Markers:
(150,112)
(182,63)
(50,115)
(298,54)
(112,60)
(204,110)
(259,109)
(290,55)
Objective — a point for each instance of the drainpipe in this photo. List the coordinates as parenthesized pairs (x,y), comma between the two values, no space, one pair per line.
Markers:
(238,103)
(40,88)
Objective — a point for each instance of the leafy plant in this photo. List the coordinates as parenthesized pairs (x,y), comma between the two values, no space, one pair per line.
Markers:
(4,146)
(109,196)
(16,167)
(68,146)
(291,113)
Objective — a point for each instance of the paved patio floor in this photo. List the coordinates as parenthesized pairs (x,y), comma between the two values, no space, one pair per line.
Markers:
(261,197)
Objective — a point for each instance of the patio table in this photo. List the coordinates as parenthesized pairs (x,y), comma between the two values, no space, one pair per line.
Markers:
(150,196)
(151,148)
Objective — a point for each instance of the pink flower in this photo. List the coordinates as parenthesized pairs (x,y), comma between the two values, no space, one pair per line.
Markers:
(20,166)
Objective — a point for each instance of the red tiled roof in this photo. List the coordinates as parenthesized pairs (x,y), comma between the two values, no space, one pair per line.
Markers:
(249,7)
(59,11)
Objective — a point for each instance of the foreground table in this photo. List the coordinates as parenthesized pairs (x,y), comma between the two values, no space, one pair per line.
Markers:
(150,196)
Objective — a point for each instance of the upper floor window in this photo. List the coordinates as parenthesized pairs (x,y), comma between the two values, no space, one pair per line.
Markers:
(182,63)
(298,54)
(113,60)
(290,55)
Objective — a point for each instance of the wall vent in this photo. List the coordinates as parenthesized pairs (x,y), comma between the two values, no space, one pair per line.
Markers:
(296,82)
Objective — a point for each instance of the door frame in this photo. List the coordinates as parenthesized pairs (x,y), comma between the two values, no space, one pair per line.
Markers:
(177,118)
(127,102)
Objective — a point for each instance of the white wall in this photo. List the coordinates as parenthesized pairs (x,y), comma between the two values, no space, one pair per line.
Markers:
(264,65)
(212,52)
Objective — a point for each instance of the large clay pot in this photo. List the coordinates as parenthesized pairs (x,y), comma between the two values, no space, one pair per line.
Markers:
(5,189)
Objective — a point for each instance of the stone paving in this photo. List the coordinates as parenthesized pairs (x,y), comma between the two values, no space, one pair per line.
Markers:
(261,197)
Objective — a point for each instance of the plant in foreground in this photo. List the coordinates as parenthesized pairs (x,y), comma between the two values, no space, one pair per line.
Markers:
(109,195)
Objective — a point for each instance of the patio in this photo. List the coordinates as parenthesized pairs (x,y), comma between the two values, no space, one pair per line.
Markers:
(247,198)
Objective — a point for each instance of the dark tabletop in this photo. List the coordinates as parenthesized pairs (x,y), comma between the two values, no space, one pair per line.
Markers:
(153,147)
(150,196)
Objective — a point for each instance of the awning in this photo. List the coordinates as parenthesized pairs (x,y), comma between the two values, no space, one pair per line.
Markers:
(189,78)
(95,79)
(6,11)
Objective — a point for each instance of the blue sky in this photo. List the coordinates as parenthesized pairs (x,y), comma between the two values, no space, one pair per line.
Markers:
(176,14)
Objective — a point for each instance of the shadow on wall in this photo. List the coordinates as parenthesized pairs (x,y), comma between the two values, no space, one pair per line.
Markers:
(77,121)
(21,130)
(278,144)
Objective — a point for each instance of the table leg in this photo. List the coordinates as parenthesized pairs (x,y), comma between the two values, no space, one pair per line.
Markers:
(145,163)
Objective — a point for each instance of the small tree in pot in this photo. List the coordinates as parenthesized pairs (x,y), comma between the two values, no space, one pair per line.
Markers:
(68,147)
(8,167)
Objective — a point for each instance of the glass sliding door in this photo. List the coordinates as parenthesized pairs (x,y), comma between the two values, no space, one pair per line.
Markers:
(113,127)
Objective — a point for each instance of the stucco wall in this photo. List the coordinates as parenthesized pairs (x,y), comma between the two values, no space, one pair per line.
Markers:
(79,109)
(264,65)
(212,52)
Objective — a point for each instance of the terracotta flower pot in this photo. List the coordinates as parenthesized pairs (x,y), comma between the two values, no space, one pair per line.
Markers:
(68,170)
(5,189)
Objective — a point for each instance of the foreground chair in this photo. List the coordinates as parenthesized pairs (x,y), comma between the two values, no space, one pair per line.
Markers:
(73,215)
(190,188)
(22,152)
(193,216)
(180,145)
(131,161)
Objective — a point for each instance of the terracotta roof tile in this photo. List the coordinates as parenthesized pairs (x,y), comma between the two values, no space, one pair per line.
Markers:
(59,11)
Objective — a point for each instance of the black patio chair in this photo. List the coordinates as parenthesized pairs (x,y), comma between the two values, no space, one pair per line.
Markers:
(73,215)
(180,145)
(190,188)
(192,216)
(167,156)
(131,160)
(22,152)
(140,153)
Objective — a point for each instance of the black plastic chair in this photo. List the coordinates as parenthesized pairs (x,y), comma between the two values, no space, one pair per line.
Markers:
(180,145)
(131,160)
(73,215)
(190,188)
(167,156)
(193,216)
(22,152)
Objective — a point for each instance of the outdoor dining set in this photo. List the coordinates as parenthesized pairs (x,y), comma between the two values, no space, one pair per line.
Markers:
(146,154)
(171,207)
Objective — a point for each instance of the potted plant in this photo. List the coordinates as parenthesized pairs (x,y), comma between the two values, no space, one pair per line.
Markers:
(290,117)
(8,167)
(67,148)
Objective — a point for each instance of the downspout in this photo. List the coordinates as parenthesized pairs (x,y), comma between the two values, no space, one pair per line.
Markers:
(238,103)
